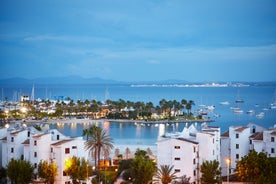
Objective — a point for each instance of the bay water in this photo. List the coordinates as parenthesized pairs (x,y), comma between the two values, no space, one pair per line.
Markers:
(132,135)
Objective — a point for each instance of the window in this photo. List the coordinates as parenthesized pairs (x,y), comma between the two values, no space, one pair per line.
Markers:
(35,154)
(176,147)
(237,156)
(12,150)
(213,140)
(29,133)
(194,149)
(74,147)
(67,150)
(52,149)
(237,146)
(176,158)
(35,142)
(272,139)
(12,139)
(194,161)
(177,170)
(254,129)
(237,136)
(57,137)
(194,172)
(272,150)
(35,165)
(250,142)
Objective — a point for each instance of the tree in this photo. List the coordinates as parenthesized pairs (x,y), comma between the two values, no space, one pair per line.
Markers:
(142,168)
(255,167)
(47,171)
(20,171)
(165,174)
(183,180)
(210,172)
(76,168)
(98,140)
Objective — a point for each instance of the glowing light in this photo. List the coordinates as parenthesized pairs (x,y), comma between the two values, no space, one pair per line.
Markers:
(228,161)
(23,109)
(7,125)
(68,163)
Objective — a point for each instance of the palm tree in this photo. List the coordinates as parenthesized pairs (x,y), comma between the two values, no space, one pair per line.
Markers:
(165,174)
(98,140)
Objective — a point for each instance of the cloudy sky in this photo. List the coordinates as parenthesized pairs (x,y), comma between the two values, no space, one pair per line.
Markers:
(138,40)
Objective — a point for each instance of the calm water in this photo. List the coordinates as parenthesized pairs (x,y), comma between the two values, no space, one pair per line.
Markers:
(129,134)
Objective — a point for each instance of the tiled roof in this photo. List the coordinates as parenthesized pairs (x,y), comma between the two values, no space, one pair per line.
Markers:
(39,135)
(273,133)
(225,134)
(257,136)
(4,139)
(61,142)
(187,140)
(240,129)
(26,141)
(16,132)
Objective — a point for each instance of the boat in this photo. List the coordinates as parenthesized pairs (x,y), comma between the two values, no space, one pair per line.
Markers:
(210,107)
(239,100)
(224,103)
(250,111)
(260,115)
(238,111)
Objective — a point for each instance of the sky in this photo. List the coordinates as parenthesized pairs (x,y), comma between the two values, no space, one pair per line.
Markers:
(139,40)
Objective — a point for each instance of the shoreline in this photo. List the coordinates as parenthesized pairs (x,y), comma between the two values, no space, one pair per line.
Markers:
(76,120)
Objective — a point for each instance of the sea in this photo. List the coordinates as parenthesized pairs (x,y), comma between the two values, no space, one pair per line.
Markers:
(254,109)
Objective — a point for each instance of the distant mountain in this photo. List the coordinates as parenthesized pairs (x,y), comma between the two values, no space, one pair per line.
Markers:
(95,80)
(58,80)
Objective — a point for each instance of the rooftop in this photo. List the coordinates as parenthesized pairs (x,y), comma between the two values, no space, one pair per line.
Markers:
(257,136)
(225,134)
(240,129)
(61,142)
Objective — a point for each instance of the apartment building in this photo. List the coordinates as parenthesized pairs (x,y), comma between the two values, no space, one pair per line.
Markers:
(188,149)
(35,146)
(239,140)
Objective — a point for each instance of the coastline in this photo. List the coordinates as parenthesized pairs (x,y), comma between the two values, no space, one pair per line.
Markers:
(86,120)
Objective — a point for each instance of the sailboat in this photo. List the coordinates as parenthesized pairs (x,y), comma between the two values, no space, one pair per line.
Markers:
(239,100)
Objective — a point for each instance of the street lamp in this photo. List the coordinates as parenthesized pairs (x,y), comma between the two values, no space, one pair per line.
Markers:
(228,166)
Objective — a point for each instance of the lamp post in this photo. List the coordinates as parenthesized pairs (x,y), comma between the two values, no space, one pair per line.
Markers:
(228,166)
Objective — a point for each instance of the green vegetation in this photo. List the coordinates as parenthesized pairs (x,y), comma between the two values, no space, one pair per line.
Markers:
(20,171)
(121,109)
(257,167)
(47,171)
(210,172)
(98,142)
(165,174)
(77,169)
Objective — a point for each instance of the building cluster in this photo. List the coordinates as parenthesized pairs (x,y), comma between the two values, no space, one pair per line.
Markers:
(185,150)
(188,149)
(32,145)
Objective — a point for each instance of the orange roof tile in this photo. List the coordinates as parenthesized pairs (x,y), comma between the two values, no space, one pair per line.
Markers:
(61,142)
(225,134)
(257,136)
(240,129)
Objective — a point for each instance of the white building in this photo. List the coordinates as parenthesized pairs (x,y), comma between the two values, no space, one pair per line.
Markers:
(188,149)
(62,150)
(12,147)
(239,140)
(34,146)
